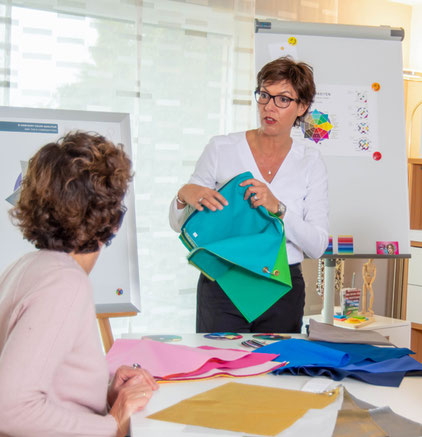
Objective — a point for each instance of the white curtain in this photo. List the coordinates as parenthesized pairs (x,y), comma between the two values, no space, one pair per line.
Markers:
(183,70)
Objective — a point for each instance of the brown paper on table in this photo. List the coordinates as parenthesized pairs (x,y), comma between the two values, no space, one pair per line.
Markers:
(252,409)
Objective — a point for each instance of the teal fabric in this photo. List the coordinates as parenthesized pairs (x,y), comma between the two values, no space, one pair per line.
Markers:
(242,248)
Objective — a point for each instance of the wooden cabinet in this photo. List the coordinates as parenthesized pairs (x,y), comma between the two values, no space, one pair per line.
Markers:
(414,298)
(416,341)
(415,192)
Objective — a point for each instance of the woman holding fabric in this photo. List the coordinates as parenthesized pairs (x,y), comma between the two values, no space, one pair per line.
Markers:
(53,373)
(290,181)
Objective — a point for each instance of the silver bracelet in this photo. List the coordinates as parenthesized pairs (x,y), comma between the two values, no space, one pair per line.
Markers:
(182,202)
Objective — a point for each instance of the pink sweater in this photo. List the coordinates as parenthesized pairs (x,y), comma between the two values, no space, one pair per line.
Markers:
(53,373)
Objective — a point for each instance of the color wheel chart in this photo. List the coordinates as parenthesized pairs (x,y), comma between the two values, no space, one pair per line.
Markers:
(316,126)
(349,129)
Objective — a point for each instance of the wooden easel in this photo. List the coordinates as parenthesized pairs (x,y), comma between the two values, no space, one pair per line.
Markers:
(105,328)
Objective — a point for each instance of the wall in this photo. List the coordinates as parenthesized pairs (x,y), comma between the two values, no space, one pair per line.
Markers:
(378,13)
(413,97)
(416,38)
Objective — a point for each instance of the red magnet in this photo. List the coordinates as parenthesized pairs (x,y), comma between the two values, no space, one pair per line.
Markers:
(377,156)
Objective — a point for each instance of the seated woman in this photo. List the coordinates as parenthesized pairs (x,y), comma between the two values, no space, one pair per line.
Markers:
(53,373)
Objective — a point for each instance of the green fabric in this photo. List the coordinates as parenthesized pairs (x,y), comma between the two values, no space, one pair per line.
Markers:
(281,260)
(242,248)
(248,293)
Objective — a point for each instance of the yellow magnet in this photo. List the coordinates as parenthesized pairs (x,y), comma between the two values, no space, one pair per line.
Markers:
(292,41)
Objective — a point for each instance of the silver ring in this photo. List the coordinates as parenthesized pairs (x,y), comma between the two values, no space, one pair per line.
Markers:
(136,366)
(144,394)
(255,198)
(200,199)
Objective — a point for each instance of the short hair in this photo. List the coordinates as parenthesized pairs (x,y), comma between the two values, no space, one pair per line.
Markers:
(298,74)
(72,194)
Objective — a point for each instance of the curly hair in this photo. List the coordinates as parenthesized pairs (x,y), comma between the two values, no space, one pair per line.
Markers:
(299,74)
(72,194)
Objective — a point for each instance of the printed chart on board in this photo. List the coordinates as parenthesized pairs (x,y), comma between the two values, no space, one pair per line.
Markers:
(342,121)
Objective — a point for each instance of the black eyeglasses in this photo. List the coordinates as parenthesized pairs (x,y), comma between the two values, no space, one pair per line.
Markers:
(262,97)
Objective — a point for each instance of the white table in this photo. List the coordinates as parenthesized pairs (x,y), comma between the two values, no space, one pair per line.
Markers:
(405,400)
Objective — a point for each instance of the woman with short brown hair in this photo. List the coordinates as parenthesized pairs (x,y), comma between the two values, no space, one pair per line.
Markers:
(53,373)
(298,74)
(290,181)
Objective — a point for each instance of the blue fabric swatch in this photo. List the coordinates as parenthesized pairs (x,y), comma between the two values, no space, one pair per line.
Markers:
(359,352)
(302,352)
(402,364)
(385,366)
(386,379)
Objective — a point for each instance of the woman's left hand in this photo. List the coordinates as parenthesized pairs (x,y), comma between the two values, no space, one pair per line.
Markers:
(261,195)
(125,376)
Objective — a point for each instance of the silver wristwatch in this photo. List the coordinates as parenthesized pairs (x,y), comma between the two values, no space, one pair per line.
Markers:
(281,209)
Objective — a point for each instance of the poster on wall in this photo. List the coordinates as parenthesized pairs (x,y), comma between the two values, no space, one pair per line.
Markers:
(342,121)
(22,132)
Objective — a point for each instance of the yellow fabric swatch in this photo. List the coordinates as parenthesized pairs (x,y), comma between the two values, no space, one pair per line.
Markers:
(245,408)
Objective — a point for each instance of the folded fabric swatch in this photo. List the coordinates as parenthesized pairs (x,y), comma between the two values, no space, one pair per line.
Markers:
(303,352)
(222,367)
(393,424)
(254,370)
(166,361)
(355,421)
(401,364)
(336,334)
(242,248)
(360,352)
(385,366)
(386,379)
(389,373)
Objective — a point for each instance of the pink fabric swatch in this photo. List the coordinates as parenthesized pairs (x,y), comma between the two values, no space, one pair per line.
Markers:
(246,361)
(258,369)
(165,361)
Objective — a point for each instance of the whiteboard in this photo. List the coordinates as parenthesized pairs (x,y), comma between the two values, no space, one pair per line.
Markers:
(23,131)
(360,93)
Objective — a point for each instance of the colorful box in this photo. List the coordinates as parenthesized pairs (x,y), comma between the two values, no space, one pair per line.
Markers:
(329,249)
(345,244)
(387,247)
(349,301)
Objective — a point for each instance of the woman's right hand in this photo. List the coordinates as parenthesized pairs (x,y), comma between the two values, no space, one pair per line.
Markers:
(131,398)
(199,196)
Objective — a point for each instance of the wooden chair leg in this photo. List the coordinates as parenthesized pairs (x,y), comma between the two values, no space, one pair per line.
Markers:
(106,333)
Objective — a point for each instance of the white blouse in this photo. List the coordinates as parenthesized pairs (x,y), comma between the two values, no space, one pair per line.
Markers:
(301,183)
